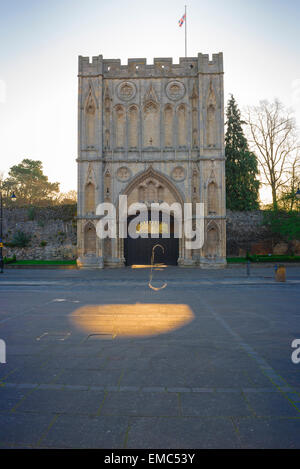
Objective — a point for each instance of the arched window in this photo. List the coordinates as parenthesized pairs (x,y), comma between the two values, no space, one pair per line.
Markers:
(182,126)
(120,126)
(151,125)
(107,139)
(90,111)
(89,198)
(168,121)
(211,126)
(133,127)
(89,239)
(212,241)
(212,196)
(211,117)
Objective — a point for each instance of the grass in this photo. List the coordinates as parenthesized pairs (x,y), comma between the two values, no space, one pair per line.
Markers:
(41,262)
(260,258)
(236,260)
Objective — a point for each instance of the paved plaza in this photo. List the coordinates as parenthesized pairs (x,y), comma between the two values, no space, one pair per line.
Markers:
(195,359)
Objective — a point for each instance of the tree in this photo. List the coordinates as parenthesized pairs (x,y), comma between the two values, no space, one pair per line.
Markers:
(242,185)
(67,198)
(287,197)
(282,223)
(30,184)
(272,130)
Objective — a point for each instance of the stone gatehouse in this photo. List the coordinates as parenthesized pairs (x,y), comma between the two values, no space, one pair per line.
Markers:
(153,132)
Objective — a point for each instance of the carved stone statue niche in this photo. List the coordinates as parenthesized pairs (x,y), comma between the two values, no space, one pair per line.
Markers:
(90,111)
(211,118)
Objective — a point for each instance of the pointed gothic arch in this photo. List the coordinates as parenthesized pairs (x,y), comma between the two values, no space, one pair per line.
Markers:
(133,114)
(150,94)
(90,120)
(119,119)
(211,117)
(168,125)
(212,245)
(212,198)
(89,198)
(158,176)
(182,125)
(89,239)
(151,124)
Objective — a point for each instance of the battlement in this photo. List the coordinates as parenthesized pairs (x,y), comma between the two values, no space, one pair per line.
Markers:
(188,66)
(210,66)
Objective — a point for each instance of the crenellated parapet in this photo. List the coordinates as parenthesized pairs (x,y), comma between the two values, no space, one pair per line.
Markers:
(214,66)
(161,67)
(87,67)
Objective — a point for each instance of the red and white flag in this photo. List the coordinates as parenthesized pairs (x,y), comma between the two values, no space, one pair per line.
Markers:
(181,21)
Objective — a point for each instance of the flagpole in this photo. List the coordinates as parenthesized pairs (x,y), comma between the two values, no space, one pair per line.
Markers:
(185,32)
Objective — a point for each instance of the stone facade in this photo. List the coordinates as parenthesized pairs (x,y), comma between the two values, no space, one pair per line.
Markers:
(153,133)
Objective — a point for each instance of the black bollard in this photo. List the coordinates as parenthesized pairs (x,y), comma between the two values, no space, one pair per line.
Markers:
(248,268)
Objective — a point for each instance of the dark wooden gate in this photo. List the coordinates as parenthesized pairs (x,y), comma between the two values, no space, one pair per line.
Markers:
(139,251)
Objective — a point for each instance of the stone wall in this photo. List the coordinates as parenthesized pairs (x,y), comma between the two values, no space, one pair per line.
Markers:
(52,232)
(246,232)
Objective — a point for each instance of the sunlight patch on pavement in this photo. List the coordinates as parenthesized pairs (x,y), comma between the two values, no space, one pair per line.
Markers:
(132,320)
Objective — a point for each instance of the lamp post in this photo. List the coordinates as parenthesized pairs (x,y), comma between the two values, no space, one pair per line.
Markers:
(13,198)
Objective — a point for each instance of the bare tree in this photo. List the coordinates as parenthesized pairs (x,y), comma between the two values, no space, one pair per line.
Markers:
(273,137)
(65,198)
(288,199)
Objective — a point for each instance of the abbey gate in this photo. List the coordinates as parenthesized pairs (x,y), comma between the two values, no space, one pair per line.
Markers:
(156,134)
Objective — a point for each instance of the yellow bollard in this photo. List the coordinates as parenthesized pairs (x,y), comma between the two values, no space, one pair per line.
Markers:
(280,274)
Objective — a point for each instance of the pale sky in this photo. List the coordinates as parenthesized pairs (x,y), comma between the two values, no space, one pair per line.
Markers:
(40,41)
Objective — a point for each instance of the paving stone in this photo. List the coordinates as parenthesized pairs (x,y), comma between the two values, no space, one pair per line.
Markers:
(271,405)
(154,389)
(182,433)
(90,378)
(23,430)
(143,404)
(294,397)
(10,397)
(34,374)
(64,401)
(214,405)
(82,432)
(202,389)
(272,433)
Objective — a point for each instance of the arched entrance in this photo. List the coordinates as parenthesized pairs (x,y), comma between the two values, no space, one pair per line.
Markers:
(148,187)
(89,239)
(138,251)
